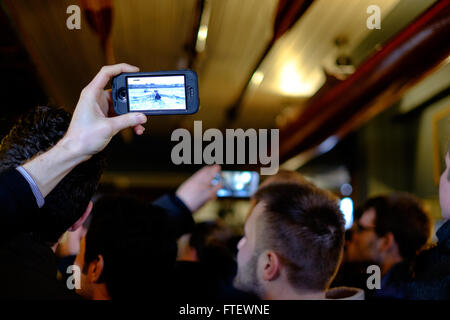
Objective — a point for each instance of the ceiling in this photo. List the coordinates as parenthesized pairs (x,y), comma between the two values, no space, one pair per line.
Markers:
(153,34)
(160,35)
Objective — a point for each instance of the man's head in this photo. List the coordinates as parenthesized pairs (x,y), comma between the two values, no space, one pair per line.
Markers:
(205,237)
(34,133)
(444,189)
(128,250)
(391,228)
(293,238)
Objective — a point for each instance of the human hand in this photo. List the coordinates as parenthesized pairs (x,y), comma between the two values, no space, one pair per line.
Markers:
(91,129)
(197,190)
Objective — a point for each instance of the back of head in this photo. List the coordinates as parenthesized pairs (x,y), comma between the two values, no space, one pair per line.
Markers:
(403,215)
(137,246)
(304,226)
(286,176)
(209,234)
(34,133)
(210,239)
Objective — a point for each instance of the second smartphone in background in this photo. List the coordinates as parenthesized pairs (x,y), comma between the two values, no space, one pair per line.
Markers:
(238,184)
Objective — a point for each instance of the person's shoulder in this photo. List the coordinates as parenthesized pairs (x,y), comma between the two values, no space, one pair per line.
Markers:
(443,234)
(345,293)
(431,274)
(435,259)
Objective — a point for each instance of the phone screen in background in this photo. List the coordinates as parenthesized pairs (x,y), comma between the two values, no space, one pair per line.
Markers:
(156,93)
(239,184)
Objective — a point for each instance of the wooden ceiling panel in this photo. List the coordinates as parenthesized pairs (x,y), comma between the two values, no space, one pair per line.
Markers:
(237,36)
(152,33)
(66,59)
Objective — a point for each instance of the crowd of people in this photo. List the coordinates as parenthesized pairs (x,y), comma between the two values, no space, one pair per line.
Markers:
(294,245)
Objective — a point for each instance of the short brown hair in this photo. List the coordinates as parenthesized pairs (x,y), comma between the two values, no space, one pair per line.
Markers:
(304,226)
(285,176)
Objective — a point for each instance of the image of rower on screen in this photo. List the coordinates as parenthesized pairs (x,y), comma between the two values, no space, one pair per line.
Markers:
(157,96)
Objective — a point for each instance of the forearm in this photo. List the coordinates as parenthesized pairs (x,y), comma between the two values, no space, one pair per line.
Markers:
(49,168)
(179,215)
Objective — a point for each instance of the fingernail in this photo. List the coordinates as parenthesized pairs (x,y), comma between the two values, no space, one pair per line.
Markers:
(142,118)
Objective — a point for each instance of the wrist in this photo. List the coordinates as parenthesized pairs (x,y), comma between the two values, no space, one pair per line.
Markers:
(180,203)
(49,168)
(184,200)
(71,149)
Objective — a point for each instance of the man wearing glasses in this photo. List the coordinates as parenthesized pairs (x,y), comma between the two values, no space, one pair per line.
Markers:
(390,232)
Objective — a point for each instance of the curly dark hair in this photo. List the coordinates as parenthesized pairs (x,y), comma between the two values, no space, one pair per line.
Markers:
(34,133)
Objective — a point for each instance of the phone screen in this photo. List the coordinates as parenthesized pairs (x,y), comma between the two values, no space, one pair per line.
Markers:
(238,184)
(156,93)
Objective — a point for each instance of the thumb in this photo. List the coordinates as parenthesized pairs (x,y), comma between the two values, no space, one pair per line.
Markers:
(127,120)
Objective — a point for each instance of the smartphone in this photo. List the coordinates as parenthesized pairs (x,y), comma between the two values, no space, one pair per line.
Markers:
(156,93)
(237,184)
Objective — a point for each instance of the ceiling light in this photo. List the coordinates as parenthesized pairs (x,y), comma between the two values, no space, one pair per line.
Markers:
(201,38)
(346,206)
(257,78)
(292,82)
(203,28)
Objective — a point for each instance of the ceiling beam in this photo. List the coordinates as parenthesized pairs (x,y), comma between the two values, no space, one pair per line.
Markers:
(379,82)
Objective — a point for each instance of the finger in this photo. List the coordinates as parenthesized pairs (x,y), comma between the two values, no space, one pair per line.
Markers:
(213,170)
(217,187)
(107,72)
(213,190)
(139,129)
(127,120)
(110,112)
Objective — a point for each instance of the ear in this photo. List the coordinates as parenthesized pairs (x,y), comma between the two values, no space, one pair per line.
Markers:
(387,241)
(185,251)
(95,269)
(83,218)
(271,265)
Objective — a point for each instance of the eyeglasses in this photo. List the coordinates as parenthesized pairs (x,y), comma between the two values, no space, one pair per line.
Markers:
(361,228)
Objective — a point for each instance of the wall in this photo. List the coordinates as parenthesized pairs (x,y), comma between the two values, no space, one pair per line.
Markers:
(399,143)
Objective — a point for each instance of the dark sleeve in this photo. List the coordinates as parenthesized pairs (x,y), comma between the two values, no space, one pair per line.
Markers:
(179,215)
(18,207)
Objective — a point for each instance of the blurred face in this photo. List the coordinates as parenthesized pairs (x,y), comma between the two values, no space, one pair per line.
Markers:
(247,258)
(444,190)
(364,244)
